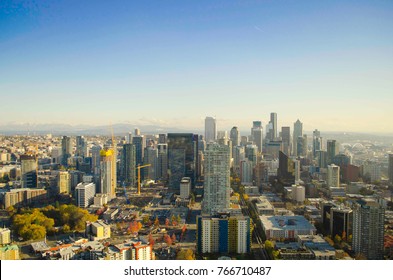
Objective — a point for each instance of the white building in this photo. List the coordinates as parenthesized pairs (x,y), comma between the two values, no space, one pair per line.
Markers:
(85,194)
(298,193)
(333,176)
(246,171)
(210,129)
(185,187)
(217,179)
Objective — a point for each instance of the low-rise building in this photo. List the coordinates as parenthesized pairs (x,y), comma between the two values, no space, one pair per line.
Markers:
(286,227)
(98,230)
(9,252)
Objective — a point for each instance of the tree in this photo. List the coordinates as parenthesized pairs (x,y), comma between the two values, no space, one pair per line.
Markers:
(187,254)
(178,219)
(151,240)
(337,239)
(146,219)
(133,228)
(66,228)
(167,239)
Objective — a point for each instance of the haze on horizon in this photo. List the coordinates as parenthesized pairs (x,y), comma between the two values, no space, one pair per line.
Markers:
(172,63)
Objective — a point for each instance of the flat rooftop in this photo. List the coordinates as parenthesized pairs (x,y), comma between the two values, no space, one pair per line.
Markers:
(286,223)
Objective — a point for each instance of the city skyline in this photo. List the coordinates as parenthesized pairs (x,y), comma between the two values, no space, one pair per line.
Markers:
(327,64)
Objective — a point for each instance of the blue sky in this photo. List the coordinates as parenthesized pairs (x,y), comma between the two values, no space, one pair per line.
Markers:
(328,63)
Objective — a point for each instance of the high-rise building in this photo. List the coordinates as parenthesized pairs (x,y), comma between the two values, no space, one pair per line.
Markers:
(129,138)
(238,156)
(286,139)
(341,220)
(151,157)
(301,146)
(333,176)
(162,162)
(246,171)
(210,129)
(235,136)
(297,131)
(223,234)
(182,158)
(257,134)
(162,139)
(372,170)
(316,142)
(217,179)
(28,171)
(368,229)
(137,132)
(140,144)
(321,159)
(128,164)
(332,150)
(81,147)
(185,188)
(273,121)
(286,169)
(251,153)
(390,169)
(107,173)
(66,148)
(64,182)
(85,194)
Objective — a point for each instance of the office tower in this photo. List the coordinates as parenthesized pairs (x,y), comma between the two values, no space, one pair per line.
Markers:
(246,171)
(390,172)
(341,220)
(28,171)
(182,158)
(128,164)
(217,179)
(151,157)
(243,140)
(273,148)
(96,158)
(333,176)
(301,146)
(210,129)
(137,132)
(201,162)
(238,156)
(64,182)
(273,121)
(286,139)
(85,194)
(129,138)
(251,153)
(162,162)
(107,173)
(298,193)
(257,134)
(162,138)
(368,229)
(223,234)
(286,168)
(235,136)
(316,142)
(342,159)
(332,150)
(140,144)
(66,149)
(297,131)
(371,171)
(81,147)
(321,158)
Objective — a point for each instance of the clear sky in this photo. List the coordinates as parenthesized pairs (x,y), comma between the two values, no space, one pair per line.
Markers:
(328,63)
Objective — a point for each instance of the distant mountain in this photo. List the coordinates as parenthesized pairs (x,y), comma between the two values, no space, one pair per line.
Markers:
(59,129)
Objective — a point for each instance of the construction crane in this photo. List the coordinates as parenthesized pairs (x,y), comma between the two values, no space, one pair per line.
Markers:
(139,176)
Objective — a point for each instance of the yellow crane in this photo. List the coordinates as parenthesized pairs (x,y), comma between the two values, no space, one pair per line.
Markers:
(139,176)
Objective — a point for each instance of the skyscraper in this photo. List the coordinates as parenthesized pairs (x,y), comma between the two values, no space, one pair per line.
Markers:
(128,164)
(297,131)
(210,129)
(273,121)
(217,179)
(28,171)
(368,229)
(81,147)
(140,144)
(301,146)
(182,158)
(286,169)
(107,173)
(257,134)
(162,162)
(316,142)
(66,148)
(332,150)
(235,136)
(286,139)
(151,157)
(333,176)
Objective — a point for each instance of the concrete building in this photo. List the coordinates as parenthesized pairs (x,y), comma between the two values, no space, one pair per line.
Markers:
(98,230)
(287,227)
(235,136)
(217,179)
(332,150)
(24,197)
(246,171)
(297,131)
(107,173)
(341,219)
(9,252)
(28,171)
(298,193)
(63,182)
(372,171)
(286,139)
(210,129)
(333,176)
(257,135)
(66,149)
(85,194)
(368,229)
(223,234)
(128,165)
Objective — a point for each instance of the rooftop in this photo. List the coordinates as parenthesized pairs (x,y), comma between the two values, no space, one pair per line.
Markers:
(285,223)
